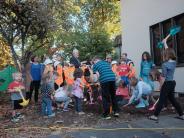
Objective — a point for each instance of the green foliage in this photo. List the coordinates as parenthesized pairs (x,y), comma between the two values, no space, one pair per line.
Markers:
(34,26)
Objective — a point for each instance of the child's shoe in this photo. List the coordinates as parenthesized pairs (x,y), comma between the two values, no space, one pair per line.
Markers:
(14,119)
(81,113)
(116,114)
(19,116)
(52,115)
(106,117)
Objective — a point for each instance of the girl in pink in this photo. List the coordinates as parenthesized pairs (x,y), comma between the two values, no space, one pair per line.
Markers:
(122,93)
(78,90)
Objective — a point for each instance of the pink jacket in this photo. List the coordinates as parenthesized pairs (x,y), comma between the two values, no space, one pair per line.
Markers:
(77,90)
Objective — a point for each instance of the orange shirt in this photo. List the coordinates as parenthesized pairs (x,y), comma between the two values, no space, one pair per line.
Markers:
(68,71)
(59,70)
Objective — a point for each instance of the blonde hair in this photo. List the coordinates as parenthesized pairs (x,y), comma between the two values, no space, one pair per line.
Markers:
(14,75)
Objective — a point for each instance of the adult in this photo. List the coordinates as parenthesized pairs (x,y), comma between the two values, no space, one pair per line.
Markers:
(58,67)
(27,78)
(36,72)
(109,58)
(128,61)
(168,84)
(75,58)
(107,81)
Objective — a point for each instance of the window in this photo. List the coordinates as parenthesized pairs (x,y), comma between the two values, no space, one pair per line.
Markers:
(160,31)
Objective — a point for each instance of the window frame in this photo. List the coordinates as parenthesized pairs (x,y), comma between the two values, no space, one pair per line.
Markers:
(161,31)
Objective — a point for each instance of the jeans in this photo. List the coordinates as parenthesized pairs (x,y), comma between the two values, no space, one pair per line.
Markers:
(78,104)
(125,79)
(65,100)
(108,97)
(46,106)
(167,91)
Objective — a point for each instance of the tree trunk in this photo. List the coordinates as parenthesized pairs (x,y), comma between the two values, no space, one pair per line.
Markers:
(15,58)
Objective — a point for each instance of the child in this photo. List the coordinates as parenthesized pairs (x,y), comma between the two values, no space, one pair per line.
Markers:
(124,70)
(46,93)
(140,92)
(78,90)
(61,95)
(122,94)
(15,96)
(146,66)
(168,84)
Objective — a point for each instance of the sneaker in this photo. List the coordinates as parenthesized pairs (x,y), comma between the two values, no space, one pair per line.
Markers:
(65,110)
(81,113)
(106,117)
(52,115)
(14,119)
(19,116)
(116,114)
(59,110)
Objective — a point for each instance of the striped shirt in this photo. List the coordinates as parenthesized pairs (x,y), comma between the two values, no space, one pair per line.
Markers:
(105,71)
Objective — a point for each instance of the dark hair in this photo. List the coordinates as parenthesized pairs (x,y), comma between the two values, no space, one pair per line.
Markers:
(147,55)
(122,82)
(124,54)
(32,58)
(87,72)
(170,54)
(133,81)
(77,73)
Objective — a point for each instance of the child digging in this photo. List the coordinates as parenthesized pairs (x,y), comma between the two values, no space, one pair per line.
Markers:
(15,96)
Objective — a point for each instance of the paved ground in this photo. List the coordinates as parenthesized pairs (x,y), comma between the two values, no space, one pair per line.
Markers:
(167,121)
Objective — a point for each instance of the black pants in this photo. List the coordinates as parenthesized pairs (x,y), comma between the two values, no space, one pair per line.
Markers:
(34,87)
(167,91)
(108,97)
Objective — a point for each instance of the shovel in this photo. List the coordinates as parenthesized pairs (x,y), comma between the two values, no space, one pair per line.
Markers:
(173,31)
(25,102)
(153,107)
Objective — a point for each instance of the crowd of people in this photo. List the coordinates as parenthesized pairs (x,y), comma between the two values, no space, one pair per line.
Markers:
(57,83)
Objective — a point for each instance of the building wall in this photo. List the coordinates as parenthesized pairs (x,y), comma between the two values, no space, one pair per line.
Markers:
(137,17)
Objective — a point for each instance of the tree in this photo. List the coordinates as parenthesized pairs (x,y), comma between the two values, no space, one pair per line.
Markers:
(23,24)
(5,54)
(95,28)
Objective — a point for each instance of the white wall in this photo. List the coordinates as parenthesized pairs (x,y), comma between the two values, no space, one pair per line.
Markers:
(137,16)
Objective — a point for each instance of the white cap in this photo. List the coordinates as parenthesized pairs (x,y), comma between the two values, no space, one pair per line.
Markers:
(114,62)
(75,50)
(56,63)
(47,61)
